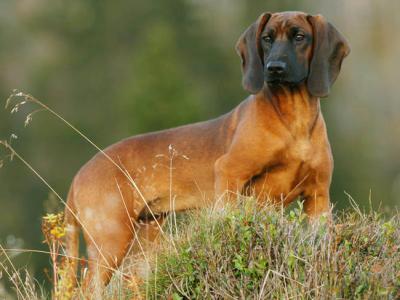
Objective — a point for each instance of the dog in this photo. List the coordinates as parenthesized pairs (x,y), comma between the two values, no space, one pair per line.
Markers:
(274,143)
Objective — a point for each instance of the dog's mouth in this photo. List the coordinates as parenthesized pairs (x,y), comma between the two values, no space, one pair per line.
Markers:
(283,81)
(276,81)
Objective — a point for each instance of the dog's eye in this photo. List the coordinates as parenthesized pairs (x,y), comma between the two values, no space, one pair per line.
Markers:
(267,39)
(299,37)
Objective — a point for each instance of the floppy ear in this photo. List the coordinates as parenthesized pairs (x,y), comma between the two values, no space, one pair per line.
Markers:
(249,49)
(329,50)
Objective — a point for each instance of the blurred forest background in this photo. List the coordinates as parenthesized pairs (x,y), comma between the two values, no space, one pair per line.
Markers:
(119,68)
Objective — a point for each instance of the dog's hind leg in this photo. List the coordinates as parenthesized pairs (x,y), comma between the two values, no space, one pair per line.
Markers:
(106,249)
(145,239)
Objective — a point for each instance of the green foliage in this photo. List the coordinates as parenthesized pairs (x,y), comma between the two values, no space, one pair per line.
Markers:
(161,82)
(250,252)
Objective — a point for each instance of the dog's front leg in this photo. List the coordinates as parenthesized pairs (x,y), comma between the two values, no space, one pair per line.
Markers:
(232,172)
(317,204)
(316,192)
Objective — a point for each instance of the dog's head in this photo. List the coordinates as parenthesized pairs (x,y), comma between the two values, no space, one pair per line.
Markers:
(290,48)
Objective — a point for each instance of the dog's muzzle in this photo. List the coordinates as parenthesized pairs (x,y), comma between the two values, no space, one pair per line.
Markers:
(276,71)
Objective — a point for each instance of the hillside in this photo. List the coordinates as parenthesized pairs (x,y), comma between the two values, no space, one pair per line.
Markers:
(253,253)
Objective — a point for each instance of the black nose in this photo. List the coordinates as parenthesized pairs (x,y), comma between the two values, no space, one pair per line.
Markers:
(276,68)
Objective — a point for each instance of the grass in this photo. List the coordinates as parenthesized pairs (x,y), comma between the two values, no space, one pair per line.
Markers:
(260,253)
(242,252)
(252,252)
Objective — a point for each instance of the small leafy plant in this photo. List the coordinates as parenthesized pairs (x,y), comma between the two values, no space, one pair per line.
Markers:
(249,252)
(53,229)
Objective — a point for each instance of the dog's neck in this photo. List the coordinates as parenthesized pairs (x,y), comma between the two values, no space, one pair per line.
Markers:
(297,109)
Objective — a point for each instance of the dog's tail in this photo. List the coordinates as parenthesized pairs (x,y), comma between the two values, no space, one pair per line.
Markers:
(72,227)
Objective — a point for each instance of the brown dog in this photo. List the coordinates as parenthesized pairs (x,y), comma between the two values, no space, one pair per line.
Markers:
(274,144)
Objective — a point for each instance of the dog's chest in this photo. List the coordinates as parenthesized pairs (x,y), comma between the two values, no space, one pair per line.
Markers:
(295,161)
(299,150)
(283,181)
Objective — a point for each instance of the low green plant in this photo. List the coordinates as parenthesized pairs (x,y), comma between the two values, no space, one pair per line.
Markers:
(253,252)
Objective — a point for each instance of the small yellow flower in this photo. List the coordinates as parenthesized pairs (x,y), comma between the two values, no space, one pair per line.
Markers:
(57,232)
(53,226)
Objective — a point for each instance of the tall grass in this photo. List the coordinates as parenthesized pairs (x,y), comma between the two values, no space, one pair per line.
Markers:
(14,102)
(250,252)
(24,289)
(253,252)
